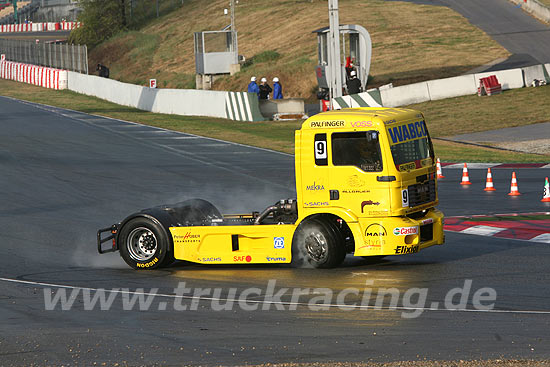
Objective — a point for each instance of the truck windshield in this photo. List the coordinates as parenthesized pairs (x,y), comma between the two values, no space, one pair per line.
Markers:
(411,146)
(359,149)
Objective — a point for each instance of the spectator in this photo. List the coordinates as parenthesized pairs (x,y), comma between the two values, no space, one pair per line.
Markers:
(277,89)
(103,71)
(253,86)
(354,84)
(349,67)
(265,89)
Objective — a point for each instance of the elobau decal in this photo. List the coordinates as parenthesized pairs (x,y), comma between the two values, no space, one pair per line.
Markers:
(327,123)
(149,264)
(405,231)
(361,124)
(402,133)
(247,258)
(399,250)
(427,221)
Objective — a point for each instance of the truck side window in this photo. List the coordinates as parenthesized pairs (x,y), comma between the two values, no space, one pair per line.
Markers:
(359,149)
(321,156)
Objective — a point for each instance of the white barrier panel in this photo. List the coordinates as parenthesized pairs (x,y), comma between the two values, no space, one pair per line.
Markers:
(405,95)
(171,101)
(531,73)
(32,74)
(509,79)
(452,87)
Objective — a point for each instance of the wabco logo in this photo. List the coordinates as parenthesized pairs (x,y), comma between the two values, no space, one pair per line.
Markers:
(410,131)
(275,259)
(361,124)
(404,231)
(315,187)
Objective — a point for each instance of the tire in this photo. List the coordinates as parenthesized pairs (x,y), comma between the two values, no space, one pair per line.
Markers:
(143,244)
(318,243)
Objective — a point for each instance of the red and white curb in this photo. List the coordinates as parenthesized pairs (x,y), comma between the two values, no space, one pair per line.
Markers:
(533,230)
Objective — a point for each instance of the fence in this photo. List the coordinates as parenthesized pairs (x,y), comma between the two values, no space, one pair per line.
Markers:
(59,56)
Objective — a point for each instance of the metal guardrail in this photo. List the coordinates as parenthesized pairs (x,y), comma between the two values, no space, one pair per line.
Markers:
(59,56)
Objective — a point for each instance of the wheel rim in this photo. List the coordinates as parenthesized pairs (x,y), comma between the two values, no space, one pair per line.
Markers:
(316,246)
(141,244)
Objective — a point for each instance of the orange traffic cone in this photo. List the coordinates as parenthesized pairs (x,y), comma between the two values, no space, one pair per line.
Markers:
(489,183)
(439,172)
(514,186)
(546,195)
(465,177)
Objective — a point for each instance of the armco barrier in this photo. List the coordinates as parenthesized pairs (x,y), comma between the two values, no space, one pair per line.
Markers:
(509,79)
(33,74)
(187,102)
(452,87)
(405,95)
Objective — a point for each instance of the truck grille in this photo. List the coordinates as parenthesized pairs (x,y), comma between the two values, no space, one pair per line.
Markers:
(421,193)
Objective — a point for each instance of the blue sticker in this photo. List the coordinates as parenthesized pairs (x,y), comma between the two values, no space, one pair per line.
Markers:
(278,242)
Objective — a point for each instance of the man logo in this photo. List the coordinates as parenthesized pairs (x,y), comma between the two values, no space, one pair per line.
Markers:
(376,230)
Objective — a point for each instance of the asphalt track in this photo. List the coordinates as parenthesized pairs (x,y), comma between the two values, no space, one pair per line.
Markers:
(42,36)
(525,37)
(65,174)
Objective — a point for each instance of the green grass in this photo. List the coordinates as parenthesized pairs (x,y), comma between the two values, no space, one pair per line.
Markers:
(461,115)
(451,115)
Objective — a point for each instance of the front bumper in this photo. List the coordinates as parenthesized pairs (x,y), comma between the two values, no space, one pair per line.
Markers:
(399,235)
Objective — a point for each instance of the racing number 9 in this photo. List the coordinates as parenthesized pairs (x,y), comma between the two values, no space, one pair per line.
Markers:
(320,146)
(405,198)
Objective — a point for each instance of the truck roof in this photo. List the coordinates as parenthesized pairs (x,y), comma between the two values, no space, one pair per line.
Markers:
(377,115)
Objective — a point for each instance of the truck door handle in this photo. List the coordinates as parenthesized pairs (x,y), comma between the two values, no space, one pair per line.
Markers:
(334,195)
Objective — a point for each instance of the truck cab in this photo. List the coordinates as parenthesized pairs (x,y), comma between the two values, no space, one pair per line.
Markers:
(365,183)
(375,169)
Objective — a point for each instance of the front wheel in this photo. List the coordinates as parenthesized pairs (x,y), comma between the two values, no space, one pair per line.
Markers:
(143,244)
(318,243)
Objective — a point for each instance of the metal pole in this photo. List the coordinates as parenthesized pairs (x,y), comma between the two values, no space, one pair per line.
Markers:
(158,8)
(234,33)
(334,66)
(15,11)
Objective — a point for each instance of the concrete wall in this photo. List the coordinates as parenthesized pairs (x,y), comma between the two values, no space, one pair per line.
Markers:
(533,72)
(405,95)
(171,101)
(536,8)
(452,87)
(509,79)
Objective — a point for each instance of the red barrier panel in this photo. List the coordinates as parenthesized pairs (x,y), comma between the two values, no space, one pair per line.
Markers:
(489,86)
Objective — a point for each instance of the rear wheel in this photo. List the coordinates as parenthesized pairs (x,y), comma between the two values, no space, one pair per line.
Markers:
(318,243)
(143,244)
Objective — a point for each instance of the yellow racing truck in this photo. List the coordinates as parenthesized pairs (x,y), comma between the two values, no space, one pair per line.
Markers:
(365,184)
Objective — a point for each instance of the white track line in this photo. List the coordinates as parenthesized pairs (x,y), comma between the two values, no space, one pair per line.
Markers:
(330,305)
